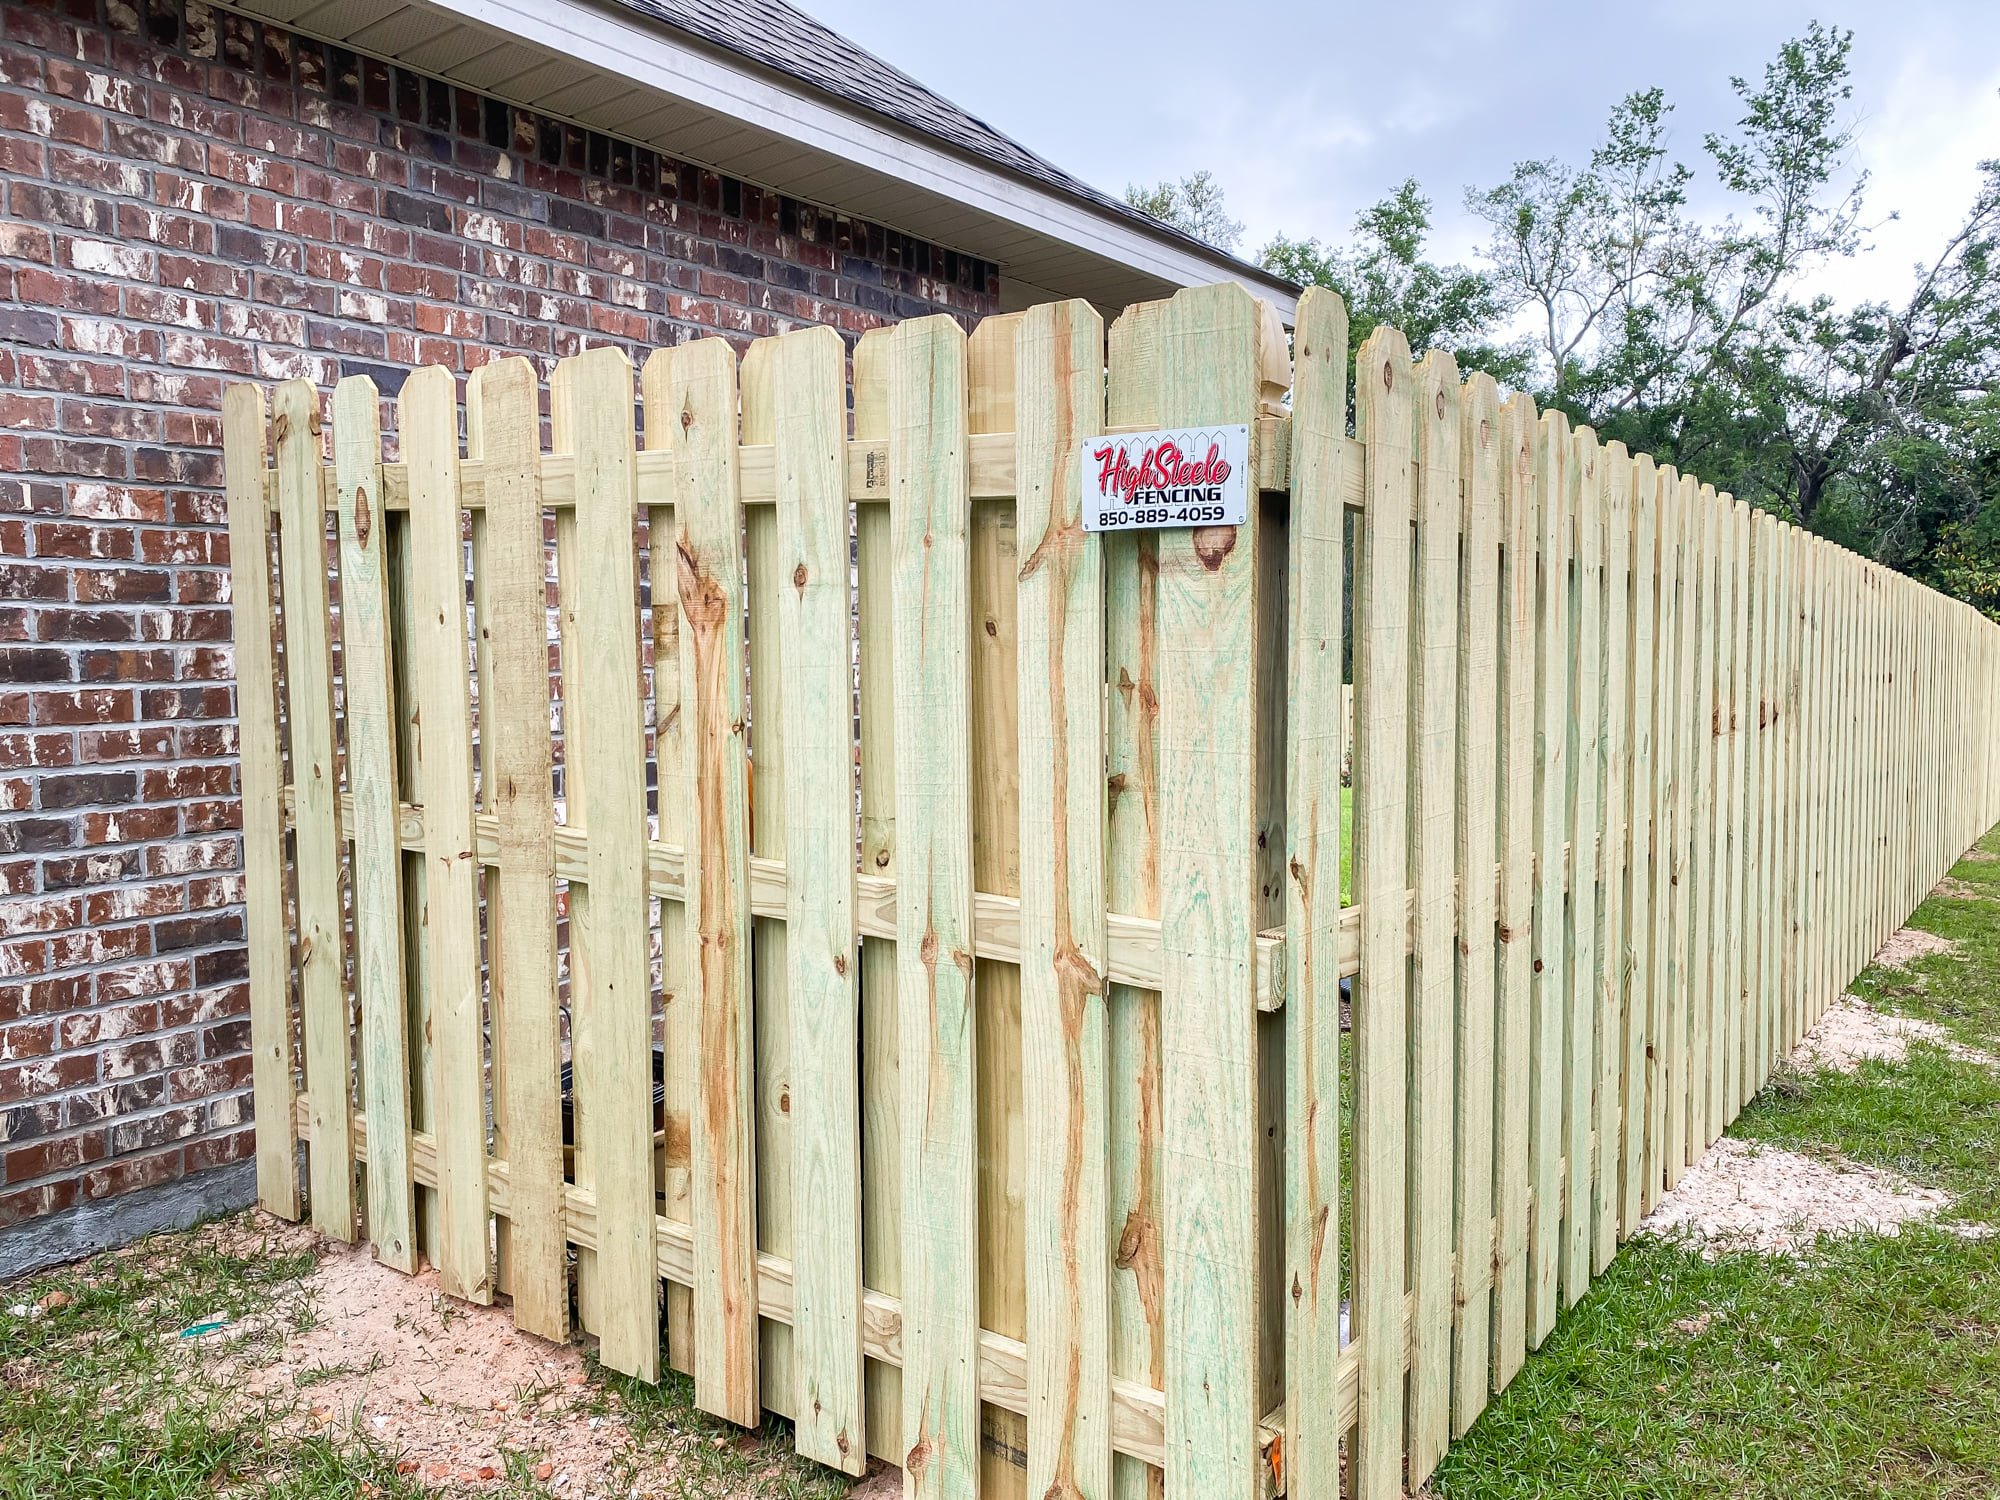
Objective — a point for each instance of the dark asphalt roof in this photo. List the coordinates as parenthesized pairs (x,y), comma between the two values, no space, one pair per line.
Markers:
(787,40)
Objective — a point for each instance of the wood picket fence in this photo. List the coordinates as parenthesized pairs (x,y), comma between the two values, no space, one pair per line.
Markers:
(910,929)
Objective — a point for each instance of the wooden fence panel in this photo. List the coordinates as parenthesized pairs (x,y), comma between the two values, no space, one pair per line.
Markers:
(1640,778)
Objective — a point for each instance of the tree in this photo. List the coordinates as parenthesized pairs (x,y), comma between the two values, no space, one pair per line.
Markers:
(1193,205)
(1385,278)
(1697,338)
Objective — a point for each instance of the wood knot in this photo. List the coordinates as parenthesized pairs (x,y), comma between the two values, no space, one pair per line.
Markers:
(1440,406)
(1212,544)
(364,515)
(1388,376)
(799,578)
(840,963)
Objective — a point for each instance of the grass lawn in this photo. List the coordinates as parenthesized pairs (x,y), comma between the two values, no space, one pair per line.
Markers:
(1871,1369)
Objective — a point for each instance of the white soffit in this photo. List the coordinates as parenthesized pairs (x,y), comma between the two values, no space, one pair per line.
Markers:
(701,103)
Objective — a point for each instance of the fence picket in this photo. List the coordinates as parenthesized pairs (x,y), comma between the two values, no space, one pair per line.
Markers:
(1433,826)
(1317,731)
(268,941)
(1514,1031)
(992,355)
(1060,404)
(930,515)
(1643,838)
(768,993)
(1481,454)
(514,741)
(1614,952)
(672,719)
(816,630)
(1547,1020)
(1583,530)
(1383,397)
(317,851)
(881,1086)
(617,1076)
(1208,884)
(378,855)
(1132,884)
(708,575)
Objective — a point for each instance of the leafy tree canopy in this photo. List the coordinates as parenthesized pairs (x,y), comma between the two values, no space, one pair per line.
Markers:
(1696,336)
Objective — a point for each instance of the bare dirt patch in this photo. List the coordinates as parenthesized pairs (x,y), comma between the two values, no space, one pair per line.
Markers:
(466,1403)
(1959,890)
(1745,1197)
(451,1389)
(1852,1030)
(1908,945)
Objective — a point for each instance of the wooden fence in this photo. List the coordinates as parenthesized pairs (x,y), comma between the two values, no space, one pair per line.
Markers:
(1033,1149)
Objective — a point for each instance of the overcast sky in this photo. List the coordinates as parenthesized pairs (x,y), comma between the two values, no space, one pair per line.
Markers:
(1307,116)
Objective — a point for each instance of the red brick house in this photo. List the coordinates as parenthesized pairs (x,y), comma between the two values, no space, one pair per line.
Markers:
(196,195)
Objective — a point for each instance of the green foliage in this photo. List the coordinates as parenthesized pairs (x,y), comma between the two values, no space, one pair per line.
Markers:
(1193,205)
(1385,278)
(1696,337)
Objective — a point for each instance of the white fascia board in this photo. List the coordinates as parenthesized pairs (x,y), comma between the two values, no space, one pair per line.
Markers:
(629,48)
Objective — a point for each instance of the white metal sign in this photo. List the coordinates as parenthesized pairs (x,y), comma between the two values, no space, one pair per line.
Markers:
(1182,476)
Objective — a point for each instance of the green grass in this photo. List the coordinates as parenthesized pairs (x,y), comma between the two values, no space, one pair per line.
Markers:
(1870,1369)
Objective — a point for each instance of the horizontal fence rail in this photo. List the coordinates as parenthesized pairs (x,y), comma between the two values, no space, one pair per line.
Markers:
(1040,1015)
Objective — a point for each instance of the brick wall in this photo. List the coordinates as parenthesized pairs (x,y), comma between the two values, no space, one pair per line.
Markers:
(193,198)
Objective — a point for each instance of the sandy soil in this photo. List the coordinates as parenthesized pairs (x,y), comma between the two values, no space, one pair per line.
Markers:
(1852,1030)
(450,1388)
(1742,1196)
(1908,945)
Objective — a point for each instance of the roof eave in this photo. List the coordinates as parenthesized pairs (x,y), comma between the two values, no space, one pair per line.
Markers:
(1066,245)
